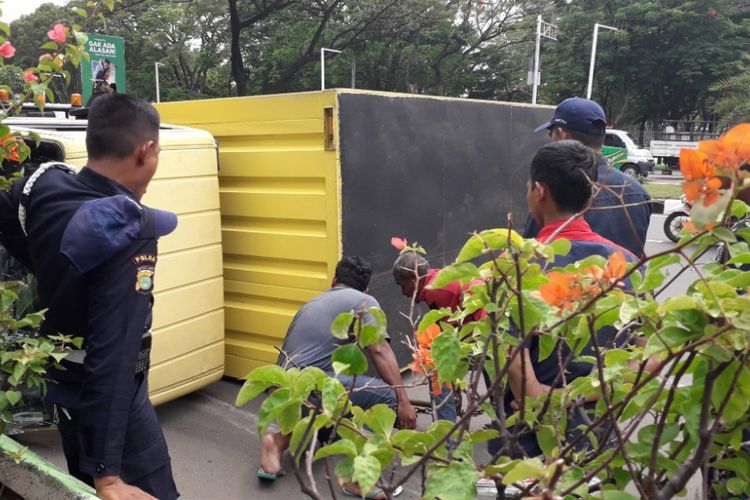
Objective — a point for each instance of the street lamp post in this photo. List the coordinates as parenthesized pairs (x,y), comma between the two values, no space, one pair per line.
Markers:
(323,65)
(593,55)
(546,30)
(156,76)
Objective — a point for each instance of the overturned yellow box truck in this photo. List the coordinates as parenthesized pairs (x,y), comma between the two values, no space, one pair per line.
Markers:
(306,178)
(301,180)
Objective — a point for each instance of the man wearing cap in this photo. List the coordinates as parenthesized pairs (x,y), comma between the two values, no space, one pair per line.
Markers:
(92,246)
(622,221)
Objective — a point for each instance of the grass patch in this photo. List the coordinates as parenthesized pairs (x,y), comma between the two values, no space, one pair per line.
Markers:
(663,191)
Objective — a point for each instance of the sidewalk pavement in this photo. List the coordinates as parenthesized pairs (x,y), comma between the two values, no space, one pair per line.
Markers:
(215,448)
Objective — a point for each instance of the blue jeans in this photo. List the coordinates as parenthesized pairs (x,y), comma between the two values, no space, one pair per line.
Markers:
(369,391)
(446,404)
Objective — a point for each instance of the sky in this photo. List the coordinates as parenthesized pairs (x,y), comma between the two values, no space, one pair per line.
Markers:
(13,9)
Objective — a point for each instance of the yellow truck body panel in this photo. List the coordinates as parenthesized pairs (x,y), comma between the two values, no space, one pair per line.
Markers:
(279,183)
(188,323)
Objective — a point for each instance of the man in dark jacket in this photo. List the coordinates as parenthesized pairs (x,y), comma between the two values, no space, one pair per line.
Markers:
(621,210)
(92,246)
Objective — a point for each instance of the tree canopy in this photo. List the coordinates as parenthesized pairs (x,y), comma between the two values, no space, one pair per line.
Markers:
(660,65)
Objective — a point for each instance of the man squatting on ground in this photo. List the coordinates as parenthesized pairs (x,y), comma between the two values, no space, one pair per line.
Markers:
(558,188)
(92,246)
(413,275)
(584,120)
(309,342)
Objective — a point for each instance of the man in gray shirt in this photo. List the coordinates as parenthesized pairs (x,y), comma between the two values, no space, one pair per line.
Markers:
(309,342)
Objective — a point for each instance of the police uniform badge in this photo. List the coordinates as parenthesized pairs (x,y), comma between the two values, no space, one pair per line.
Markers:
(144,274)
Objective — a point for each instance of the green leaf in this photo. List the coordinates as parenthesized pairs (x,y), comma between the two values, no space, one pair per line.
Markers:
(490,239)
(561,246)
(5,28)
(269,374)
(341,326)
(432,317)
(446,351)
(736,486)
(340,447)
(545,436)
(737,465)
(297,434)
(345,470)
(739,209)
(276,398)
(463,272)
(249,391)
(331,391)
(287,415)
(617,495)
(366,472)
(79,11)
(13,397)
(724,234)
(531,468)
(308,379)
(50,46)
(351,355)
(380,419)
(457,481)
(368,336)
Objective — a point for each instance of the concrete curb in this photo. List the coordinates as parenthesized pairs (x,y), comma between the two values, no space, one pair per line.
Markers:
(36,478)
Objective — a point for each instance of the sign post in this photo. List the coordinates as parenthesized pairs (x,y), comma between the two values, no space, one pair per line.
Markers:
(105,69)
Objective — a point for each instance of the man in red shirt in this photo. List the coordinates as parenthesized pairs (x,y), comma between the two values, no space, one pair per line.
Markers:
(414,276)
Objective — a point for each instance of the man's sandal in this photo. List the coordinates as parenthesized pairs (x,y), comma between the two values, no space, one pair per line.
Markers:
(267,476)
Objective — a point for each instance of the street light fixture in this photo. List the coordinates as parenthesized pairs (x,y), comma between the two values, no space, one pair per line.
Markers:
(323,65)
(156,76)
(593,55)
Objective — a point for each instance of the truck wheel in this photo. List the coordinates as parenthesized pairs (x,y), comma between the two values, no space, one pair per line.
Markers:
(673,225)
(630,170)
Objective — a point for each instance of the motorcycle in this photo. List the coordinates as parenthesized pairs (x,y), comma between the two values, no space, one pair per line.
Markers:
(676,219)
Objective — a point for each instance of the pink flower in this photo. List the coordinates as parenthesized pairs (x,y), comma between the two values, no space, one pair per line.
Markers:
(29,76)
(7,50)
(45,57)
(398,243)
(59,33)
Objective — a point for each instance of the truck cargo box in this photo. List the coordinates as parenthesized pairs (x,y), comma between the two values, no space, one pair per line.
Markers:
(188,322)
(306,178)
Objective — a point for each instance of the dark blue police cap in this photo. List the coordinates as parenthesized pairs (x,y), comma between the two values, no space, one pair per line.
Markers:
(581,115)
(104,226)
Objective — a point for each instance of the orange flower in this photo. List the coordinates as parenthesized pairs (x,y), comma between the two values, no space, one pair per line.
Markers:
(10,145)
(694,164)
(426,336)
(734,147)
(561,291)
(616,267)
(710,188)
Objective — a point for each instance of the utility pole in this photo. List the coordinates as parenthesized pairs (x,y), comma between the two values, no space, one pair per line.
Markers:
(156,76)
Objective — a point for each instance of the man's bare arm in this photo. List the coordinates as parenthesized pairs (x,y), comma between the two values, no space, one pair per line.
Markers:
(385,363)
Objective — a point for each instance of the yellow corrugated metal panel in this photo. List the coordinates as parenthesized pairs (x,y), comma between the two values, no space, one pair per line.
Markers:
(280,210)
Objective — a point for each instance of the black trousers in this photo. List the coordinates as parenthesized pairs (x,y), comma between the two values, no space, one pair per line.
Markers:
(145,461)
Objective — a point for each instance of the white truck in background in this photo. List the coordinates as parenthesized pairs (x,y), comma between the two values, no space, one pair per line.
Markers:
(668,152)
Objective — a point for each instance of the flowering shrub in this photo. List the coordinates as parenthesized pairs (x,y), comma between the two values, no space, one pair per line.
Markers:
(24,355)
(666,397)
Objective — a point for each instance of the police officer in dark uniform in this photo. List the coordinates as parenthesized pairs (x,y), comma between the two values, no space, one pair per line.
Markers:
(92,246)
